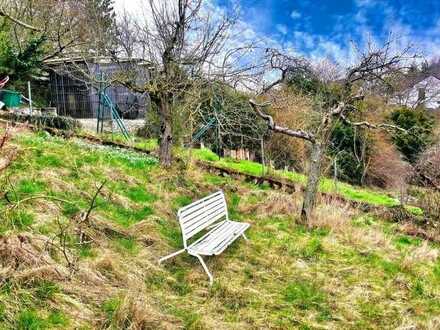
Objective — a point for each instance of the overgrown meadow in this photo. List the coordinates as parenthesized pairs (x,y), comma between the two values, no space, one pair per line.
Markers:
(352,270)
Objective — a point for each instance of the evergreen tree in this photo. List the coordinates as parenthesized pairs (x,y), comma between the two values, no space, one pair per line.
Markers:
(101,21)
(420,129)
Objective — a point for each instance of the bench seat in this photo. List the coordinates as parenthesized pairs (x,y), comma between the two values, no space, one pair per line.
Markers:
(208,217)
(218,239)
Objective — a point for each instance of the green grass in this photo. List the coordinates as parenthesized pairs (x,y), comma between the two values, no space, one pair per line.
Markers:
(127,245)
(285,276)
(313,249)
(305,296)
(27,186)
(138,142)
(146,144)
(405,241)
(181,201)
(140,195)
(327,185)
(45,290)
(109,307)
(126,216)
(21,219)
(29,319)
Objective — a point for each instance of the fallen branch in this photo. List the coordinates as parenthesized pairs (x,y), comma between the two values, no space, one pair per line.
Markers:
(16,204)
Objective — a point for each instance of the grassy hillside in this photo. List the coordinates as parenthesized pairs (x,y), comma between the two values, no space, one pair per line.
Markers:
(327,185)
(57,270)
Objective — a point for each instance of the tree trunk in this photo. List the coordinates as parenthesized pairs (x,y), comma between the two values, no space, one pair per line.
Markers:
(166,136)
(312,182)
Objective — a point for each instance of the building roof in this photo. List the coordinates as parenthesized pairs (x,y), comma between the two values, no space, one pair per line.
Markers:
(94,59)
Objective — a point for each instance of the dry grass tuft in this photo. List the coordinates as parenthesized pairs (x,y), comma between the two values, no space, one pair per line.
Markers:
(108,267)
(433,324)
(425,253)
(274,203)
(419,254)
(87,274)
(333,215)
(21,251)
(136,312)
(54,178)
(48,272)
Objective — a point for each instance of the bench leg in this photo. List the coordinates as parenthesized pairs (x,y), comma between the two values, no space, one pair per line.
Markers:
(171,255)
(211,279)
(244,236)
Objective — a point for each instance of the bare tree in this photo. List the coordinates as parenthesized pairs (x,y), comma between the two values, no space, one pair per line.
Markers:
(375,66)
(66,26)
(185,44)
(5,14)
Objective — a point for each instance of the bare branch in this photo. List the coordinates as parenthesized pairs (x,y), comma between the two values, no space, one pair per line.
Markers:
(367,124)
(17,21)
(93,202)
(300,134)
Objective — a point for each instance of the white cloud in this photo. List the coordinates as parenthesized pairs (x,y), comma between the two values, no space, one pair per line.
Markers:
(365,3)
(303,38)
(295,14)
(317,48)
(281,28)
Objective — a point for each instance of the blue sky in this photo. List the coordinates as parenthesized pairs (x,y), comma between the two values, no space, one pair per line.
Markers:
(325,28)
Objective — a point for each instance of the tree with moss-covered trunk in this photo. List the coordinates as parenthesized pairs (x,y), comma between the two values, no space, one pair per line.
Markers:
(335,102)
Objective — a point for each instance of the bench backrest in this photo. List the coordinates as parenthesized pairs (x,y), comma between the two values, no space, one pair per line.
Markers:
(201,214)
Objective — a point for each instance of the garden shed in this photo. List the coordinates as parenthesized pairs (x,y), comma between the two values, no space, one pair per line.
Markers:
(74,94)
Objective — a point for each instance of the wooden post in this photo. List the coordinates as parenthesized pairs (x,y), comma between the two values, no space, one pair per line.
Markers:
(335,173)
(30,97)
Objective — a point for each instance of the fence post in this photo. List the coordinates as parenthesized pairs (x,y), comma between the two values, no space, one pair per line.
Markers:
(30,97)
(262,156)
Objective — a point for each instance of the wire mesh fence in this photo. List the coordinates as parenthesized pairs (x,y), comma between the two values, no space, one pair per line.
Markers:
(78,98)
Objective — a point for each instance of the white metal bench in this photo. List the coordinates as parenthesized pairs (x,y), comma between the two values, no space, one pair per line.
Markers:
(209,213)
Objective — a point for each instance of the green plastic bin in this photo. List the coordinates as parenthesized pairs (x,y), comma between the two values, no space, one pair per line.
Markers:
(10,98)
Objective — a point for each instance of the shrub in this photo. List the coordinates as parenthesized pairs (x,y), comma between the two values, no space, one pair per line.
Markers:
(350,147)
(386,167)
(430,203)
(419,125)
(57,122)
